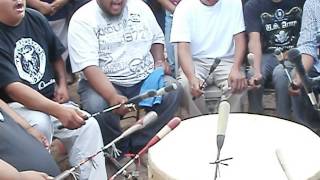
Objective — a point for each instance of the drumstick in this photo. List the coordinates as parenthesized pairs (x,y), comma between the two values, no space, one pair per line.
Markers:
(85,117)
(172,124)
(282,162)
(147,119)
(280,57)
(212,68)
(223,111)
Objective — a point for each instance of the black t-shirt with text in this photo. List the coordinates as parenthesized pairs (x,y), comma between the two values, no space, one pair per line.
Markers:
(278,23)
(27,52)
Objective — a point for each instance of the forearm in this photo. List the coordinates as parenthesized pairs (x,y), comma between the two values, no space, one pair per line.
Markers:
(8,172)
(185,59)
(240,49)
(100,82)
(62,2)
(166,4)
(36,4)
(307,61)
(60,72)
(32,99)
(254,47)
(17,118)
(157,51)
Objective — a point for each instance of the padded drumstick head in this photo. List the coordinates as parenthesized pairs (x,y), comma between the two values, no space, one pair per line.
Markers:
(149,118)
(169,127)
(223,115)
(172,124)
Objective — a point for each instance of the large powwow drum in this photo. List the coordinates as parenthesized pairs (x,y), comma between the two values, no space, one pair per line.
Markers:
(262,148)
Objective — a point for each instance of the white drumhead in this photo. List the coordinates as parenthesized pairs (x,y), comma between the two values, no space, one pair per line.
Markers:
(252,141)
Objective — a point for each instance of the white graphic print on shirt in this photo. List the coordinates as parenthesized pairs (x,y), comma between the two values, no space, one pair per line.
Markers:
(123,49)
(30,60)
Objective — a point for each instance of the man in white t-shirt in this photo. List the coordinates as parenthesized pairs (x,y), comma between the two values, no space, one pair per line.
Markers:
(205,30)
(117,45)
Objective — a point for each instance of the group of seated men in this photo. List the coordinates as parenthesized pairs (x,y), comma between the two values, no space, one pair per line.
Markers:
(117,48)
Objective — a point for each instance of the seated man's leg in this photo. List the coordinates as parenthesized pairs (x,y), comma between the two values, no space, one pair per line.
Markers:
(311,116)
(283,99)
(194,107)
(255,96)
(39,120)
(22,150)
(82,143)
(109,122)
(166,111)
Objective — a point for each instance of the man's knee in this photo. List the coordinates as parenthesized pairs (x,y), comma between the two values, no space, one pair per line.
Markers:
(279,74)
(37,119)
(92,125)
(93,103)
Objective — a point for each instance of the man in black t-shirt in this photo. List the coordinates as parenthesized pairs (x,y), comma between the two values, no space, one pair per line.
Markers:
(32,80)
(273,24)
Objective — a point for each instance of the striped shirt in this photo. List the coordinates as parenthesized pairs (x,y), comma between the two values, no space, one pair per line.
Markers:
(307,42)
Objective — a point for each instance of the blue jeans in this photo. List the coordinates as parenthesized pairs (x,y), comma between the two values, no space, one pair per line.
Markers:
(109,122)
(169,45)
(311,116)
(272,71)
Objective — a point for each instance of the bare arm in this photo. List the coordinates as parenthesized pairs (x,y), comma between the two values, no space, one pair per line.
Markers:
(102,85)
(43,7)
(24,124)
(61,92)
(32,99)
(236,78)
(307,61)
(167,5)
(18,119)
(240,49)
(186,63)
(8,172)
(157,51)
(35,101)
(254,46)
(58,4)
(185,59)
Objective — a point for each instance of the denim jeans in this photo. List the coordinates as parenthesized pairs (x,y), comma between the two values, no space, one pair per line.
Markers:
(272,71)
(311,116)
(110,122)
(169,45)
